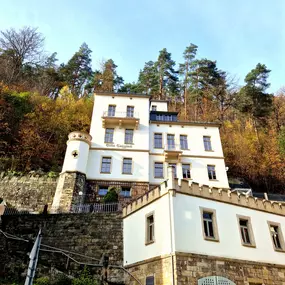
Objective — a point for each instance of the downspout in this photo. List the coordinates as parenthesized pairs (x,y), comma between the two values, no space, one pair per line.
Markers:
(171,194)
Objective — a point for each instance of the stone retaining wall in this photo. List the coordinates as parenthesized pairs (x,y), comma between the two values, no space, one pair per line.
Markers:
(86,234)
(28,192)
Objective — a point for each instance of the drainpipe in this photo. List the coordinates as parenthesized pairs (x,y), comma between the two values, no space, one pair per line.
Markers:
(171,194)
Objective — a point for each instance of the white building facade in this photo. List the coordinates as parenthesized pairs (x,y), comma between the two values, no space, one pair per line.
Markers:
(186,234)
(133,140)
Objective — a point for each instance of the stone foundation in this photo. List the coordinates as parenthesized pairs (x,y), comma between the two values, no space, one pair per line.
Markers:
(159,267)
(189,268)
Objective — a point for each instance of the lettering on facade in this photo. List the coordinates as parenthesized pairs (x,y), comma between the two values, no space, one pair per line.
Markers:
(119,145)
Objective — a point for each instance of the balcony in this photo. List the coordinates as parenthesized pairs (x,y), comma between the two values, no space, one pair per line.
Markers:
(121,119)
(172,152)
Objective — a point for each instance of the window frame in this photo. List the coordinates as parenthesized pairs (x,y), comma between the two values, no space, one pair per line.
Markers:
(249,230)
(126,136)
(174,147)
(103,186)
(187,147)
(149,276)
(189,164)
(147,232)
(212,179)
(207,143)
(173,164)
(154,146)
(127,173)
(158,177)
(130,192)
(102,157)
(154,108)
(214,222)
(112,105)
(280,236)
(133,111)
(112,135)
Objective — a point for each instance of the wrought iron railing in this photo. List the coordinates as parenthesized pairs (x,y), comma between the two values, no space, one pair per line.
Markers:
(96,208)
(121,114)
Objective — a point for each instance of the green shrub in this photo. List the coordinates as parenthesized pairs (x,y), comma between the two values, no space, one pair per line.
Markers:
(84,279)
(111,196)
(42,281)
(62,280)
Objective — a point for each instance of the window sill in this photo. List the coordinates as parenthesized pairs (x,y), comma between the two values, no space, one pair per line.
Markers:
(211,239)
(279,250)
(105,172)
(128,143)
(248,245)
(158,177)
(185,148)
(209,150)
(149,242)
(127,173)
(187,178)
(214,180)
(158,147)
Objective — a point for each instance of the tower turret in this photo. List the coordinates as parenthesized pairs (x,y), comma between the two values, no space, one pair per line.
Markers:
(71,184)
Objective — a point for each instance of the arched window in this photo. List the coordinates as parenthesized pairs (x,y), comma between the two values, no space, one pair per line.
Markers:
(215,280)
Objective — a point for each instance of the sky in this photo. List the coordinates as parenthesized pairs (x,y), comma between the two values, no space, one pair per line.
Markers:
(238,34)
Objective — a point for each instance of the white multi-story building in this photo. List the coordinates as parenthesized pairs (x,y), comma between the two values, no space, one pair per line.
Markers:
(185,234)
(132,141)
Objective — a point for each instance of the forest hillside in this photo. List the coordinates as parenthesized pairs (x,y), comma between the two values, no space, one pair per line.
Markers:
(42,100)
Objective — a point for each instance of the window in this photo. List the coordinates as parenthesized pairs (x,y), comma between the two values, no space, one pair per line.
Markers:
(186,171)
(127,166)
(109,134)
(125,192)
(149,280)
(209,224)
(276,235)
(106,165)
(212,172)
(129,136)
(158,169)
(170,142)
(175,168)
(130,111)
(157,140)
(246,233)
(111,110)
(183,142)
(207,143)
(153,107)
(150,228)
(102,191)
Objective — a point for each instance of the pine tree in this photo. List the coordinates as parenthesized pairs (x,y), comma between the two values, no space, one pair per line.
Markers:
(253,98)
(107,80)
(78,71)
(167,75)
(148,79)
(185,70)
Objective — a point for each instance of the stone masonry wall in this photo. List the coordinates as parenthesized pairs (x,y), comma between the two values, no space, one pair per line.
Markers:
(191,267)
(28,192)
(86,234)
(159,267)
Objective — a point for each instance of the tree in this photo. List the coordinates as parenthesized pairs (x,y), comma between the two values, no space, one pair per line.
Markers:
(78,71)
(18,48)
(205,78)
(148,79)
(167,75)
(185,70)
(107,79)
(253,98)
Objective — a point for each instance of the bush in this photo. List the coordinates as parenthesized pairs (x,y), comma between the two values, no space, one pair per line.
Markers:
(42,281)
(84,279)
(111,196)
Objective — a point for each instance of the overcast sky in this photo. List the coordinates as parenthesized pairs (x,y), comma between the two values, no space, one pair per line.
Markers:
(236,33)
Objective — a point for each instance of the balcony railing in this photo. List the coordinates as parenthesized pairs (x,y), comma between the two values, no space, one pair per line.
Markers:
(120,114)
(173,147)
(96,208)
